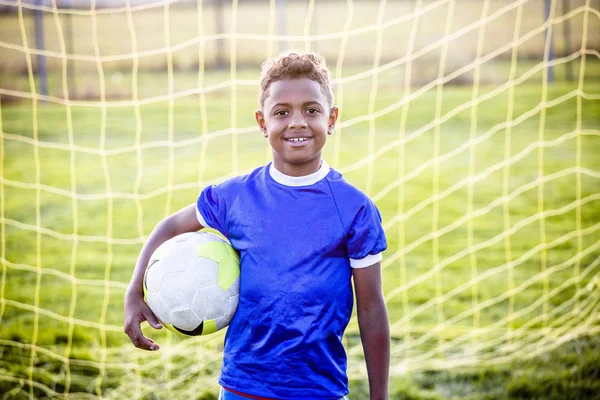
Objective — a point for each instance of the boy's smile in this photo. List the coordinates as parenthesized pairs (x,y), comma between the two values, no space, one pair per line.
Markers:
(296,118)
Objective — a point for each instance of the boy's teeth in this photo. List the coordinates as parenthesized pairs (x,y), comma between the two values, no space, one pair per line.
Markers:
(297,139)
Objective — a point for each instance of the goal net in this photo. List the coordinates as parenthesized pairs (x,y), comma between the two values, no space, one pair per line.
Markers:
(472,125)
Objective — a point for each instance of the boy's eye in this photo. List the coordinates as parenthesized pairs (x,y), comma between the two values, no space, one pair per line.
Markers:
(312,110)
(281,112)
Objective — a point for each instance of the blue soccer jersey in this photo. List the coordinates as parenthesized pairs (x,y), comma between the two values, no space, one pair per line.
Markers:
(298,239)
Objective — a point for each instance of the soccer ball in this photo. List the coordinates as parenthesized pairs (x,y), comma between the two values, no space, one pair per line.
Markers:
(192,283)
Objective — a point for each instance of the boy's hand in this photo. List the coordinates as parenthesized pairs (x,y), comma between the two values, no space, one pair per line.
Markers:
(136,312)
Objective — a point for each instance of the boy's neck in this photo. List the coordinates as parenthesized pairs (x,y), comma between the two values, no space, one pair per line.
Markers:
(302,180)
(298,170)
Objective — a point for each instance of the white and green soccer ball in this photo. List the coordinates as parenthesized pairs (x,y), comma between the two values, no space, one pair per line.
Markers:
(192,283)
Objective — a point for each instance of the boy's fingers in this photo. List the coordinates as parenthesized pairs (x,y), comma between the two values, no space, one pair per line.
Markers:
(148,344)
(142,342)
(138,339)
(134,332)
(152,320)
(153,346)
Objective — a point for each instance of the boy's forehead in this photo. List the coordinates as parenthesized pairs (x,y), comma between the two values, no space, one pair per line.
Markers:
(301,90)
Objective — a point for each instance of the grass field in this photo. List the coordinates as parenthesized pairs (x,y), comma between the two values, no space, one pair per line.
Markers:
(489,193)
(61,186)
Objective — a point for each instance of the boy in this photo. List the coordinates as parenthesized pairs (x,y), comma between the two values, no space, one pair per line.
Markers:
(302,232)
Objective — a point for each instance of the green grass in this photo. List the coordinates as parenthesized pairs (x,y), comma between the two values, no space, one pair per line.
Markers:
(78,285)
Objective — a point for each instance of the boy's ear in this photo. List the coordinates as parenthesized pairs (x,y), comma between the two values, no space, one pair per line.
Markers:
(333,116)
(260,120)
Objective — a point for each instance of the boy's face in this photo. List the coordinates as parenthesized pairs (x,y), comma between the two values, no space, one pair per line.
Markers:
(296,118)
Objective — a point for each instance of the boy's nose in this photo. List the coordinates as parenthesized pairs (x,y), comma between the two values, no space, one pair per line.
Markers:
(297,122)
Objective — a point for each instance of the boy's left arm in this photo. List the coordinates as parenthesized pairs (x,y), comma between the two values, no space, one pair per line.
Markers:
(374,327)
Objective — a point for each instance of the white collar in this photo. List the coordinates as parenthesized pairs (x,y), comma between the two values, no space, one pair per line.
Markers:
(305,180)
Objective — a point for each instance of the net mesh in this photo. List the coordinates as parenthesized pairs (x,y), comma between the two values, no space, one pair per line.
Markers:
(472,125)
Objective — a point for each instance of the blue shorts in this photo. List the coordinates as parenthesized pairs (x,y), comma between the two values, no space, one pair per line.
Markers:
(227,395)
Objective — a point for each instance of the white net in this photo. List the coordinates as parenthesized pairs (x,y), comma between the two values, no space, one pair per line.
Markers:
(473,126)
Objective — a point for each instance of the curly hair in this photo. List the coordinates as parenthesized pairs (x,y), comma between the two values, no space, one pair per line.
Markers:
(295,65)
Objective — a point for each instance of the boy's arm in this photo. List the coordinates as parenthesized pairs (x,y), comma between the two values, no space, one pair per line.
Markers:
(136,310)
(374,328)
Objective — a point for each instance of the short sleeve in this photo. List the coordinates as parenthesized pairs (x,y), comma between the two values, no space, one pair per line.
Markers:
(366,237)
(211,209)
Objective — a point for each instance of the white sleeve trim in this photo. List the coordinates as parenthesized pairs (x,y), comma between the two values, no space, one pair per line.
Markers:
(201,218)
(367,261)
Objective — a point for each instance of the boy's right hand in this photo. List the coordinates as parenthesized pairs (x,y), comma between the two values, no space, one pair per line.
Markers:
(136,312)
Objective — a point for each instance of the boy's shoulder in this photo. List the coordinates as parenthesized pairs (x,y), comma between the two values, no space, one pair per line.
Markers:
(344,189)
(228,190)
(352,203)
(240,180)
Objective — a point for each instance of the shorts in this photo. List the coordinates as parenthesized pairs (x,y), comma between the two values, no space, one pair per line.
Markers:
(227,395)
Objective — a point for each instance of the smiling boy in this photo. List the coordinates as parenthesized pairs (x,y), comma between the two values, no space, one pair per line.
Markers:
(296,117)
(303,234)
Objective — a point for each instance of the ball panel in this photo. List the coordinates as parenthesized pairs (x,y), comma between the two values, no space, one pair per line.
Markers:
(158,307)
(154,276)
(229,270)
(177,291)
(212,250)
(234,289)
(210,302)
(209,327)
(184,318)
(164,249)
(207,275)
(232,304)
(182,258)
(221,322)
(227,259)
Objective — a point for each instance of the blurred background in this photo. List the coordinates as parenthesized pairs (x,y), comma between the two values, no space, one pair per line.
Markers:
(474,126)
